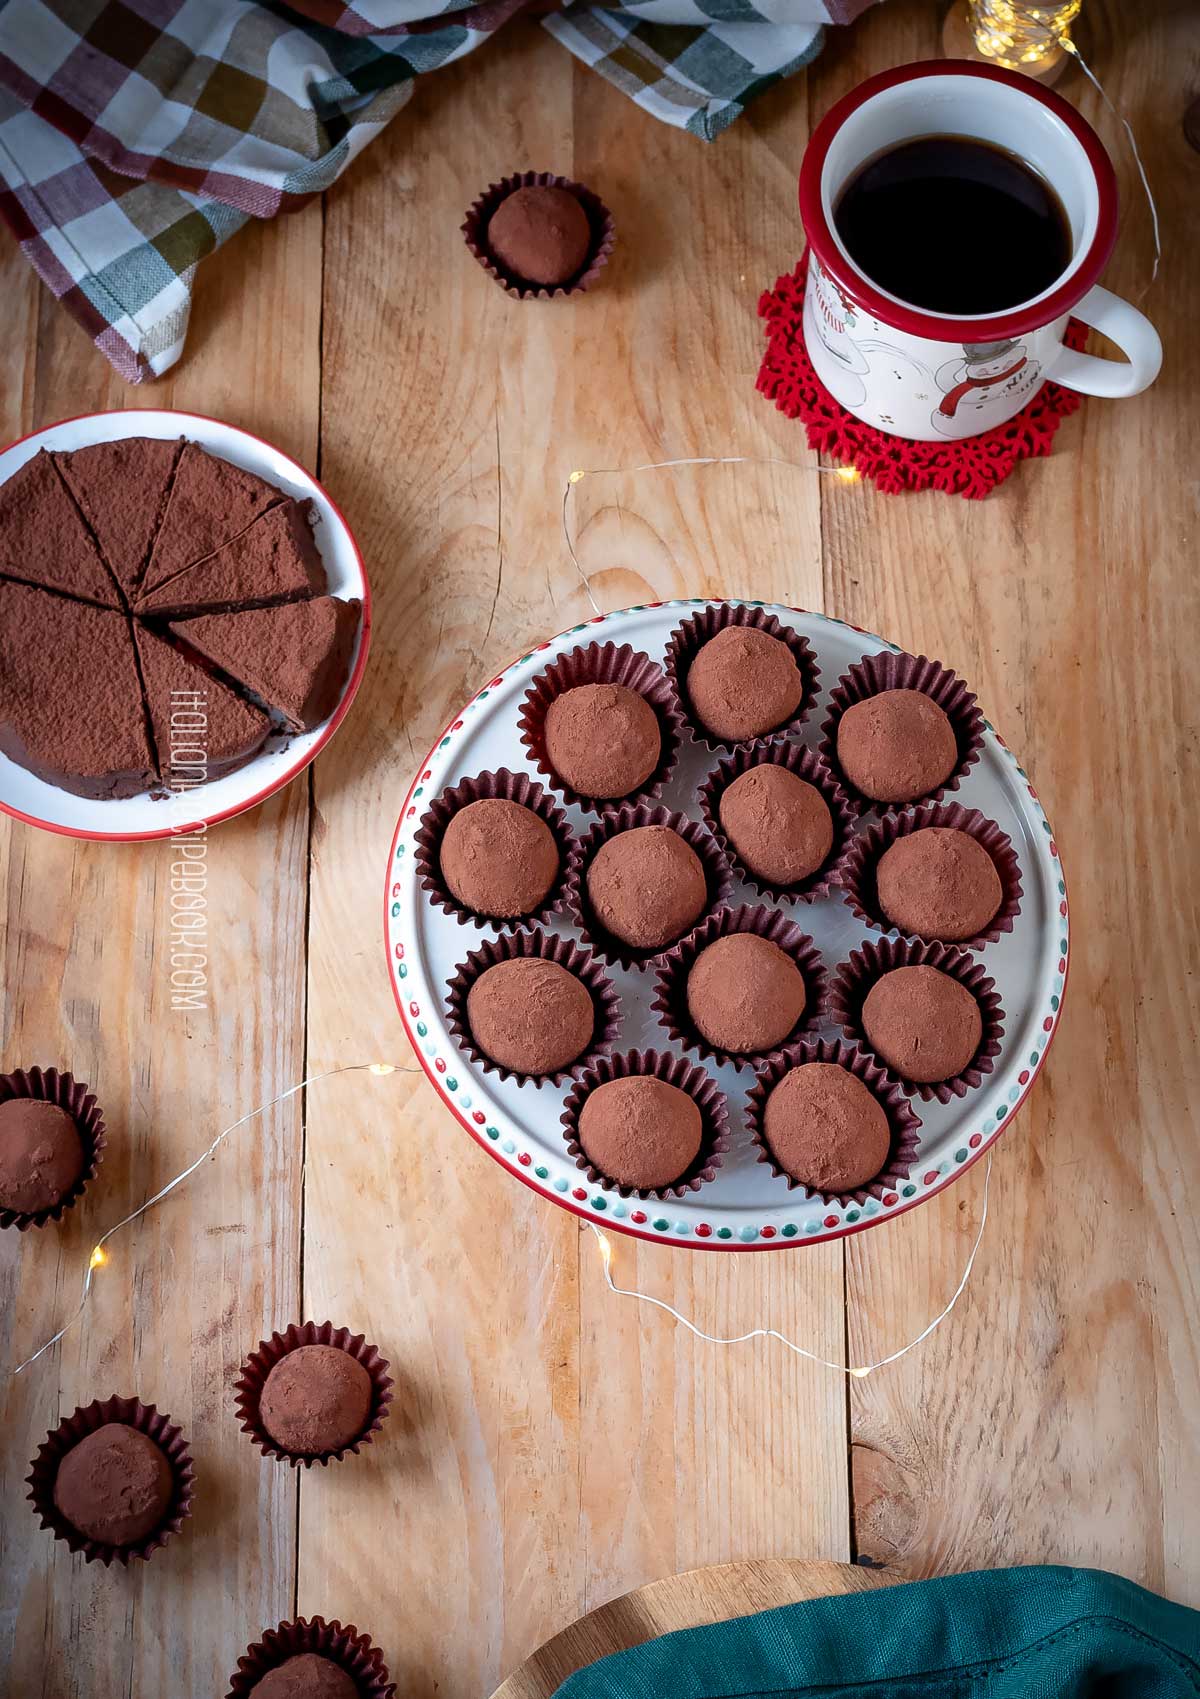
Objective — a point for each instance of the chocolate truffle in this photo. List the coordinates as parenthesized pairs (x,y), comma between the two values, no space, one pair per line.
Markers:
(825,1128)
(744,682)
(647,886)
(316,1399)
(41,1154)
(778,823)
(897,746)
(602,739)
(308,1676)
(499,858)
(640,1132)
(530,1015)
(115,1486)
(540,233)
(938,883)
(921,1022)
(744,994)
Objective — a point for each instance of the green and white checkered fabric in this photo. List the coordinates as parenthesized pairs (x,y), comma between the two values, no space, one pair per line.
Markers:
(137,135)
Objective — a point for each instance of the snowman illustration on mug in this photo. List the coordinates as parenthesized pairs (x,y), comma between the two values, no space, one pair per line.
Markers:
(983,385)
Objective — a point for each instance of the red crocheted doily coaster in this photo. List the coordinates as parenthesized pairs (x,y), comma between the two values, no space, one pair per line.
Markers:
(972,467)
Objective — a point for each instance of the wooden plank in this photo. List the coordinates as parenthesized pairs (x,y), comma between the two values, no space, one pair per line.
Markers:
(1053,1417)
(542,1426)
(87,969)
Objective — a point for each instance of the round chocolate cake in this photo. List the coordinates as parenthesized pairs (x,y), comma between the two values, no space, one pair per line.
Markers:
(640,1132)
(938,882)
(647,887)
(744,994)
(309,1675)
(531,1016)
(115,1486)
(896,746)
(743,683)
(41,1155)
(602,739)
(499,858)
(924,1024)
(540,234)
(315,1400)
(778,823)
(826,1129)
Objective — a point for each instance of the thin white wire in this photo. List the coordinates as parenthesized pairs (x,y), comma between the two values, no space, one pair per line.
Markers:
(1068,44)
(96,1258)
(859,1371)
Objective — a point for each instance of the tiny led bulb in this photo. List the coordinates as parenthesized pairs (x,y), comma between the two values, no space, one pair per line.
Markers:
(848,474)
(99,1257)
(860,1374)
(381,1068)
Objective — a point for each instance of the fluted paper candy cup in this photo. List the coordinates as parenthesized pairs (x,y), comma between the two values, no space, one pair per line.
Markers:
(545,947)
(806,764)
(260,1362)
(49,1085)
(600,223)
(891,671)
(903,1123)
(345,1647)
(165,1433)
(671,979)
(672,1070)
(688,638)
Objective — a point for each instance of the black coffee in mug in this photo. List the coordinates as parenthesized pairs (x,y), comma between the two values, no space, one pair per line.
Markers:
(954,225)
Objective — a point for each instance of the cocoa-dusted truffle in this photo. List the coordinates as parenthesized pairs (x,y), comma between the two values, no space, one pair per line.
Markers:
(307,1676)
(499,858)
(647,886)
(778,823)
(921,1022)
(316,1399)
(743,683)
(938,883)
(640,1132)
(825,1128)
(41,1154)
(540,233)
(744,994)
(602,739)
(530,1015)
(115,1486)
(896,746)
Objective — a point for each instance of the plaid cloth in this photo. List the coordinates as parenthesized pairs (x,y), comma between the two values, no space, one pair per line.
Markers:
(138,135)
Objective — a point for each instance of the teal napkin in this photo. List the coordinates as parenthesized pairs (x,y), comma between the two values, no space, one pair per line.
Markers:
(1038,1633)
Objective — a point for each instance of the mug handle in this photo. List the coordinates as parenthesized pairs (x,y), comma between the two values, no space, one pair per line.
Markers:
(1133,334)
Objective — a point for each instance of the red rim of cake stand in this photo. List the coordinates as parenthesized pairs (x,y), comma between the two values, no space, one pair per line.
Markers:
(336,718)
(611,1224)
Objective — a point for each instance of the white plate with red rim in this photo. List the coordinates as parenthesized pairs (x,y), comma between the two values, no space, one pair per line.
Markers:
(745,1207)
(28,798)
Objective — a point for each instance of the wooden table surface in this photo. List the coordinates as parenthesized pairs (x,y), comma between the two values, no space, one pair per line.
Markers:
(551,1446)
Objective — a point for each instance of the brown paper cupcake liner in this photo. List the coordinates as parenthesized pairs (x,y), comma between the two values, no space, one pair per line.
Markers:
(260,1362)
(624,819)
(855,976)
(902,1118)
(600,219)
(807,765)
(856,874)
(672,1070)
(147,1420)
(346,1647)
(671,977)
(887,671)
(602,663)
(688,639)
(510,787)
(48,1085)
(549,948)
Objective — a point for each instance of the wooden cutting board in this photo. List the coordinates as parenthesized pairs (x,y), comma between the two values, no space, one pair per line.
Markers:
(697,1597)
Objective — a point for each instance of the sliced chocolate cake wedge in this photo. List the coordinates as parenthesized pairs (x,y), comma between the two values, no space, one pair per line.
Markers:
(70,698)
(211,500)
(201,729)
(44,541)
(293,656)
(121,488)
(275,559)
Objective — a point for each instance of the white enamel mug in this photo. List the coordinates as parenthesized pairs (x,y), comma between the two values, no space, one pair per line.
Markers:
(927,375)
